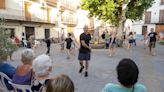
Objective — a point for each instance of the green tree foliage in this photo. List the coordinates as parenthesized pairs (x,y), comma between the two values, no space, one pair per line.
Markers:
(111,10)
(6,46)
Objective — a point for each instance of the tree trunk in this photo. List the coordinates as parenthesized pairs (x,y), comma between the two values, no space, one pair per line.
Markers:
(120,29)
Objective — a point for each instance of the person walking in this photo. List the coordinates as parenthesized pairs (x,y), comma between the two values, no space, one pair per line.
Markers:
(48,42)
(85,50)
(107,37)
(134,39)
(152,41)
(124,39)
(68,41)
(130,37)
(62,41)
(112,45)
(146,40)
(74,44)
(29,43)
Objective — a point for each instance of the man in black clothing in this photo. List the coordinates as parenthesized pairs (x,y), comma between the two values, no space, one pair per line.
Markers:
(48,42)
(85,50)
(103,35)
(152,41)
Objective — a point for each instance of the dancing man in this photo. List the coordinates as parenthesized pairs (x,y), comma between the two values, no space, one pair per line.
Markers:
(85,50)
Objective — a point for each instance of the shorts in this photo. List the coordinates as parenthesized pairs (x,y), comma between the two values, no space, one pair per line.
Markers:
(113,45)
(68,47)
(84,56)
(152,44)
(130,41)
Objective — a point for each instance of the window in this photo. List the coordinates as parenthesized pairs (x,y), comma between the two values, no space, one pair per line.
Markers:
(2,4)
(162,2)
(147,17)
(161,16)
(27,11)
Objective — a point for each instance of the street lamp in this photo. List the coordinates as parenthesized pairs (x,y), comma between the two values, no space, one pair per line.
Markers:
(59,19)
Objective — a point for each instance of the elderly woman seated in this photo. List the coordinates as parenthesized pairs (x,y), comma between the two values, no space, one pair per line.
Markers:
(6,68)
(42,66)
(23,73)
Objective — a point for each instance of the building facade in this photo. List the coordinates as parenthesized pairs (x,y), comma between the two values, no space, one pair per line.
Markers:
(153,18)
(39,18)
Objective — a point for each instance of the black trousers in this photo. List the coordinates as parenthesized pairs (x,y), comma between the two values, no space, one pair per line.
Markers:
(48,50)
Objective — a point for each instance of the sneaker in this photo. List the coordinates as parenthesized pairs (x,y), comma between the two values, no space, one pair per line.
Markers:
(81,69)
(86,74)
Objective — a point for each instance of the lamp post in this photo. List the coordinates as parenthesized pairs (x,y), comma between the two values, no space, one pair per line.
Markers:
(59,19)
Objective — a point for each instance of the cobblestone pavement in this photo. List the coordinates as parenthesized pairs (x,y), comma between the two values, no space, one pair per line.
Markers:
(102,67)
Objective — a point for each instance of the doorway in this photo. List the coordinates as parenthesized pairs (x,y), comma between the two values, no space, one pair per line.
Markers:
(144,29)
(29,31)
(47,33)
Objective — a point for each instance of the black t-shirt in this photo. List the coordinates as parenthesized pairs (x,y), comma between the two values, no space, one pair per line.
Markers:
(39,86)
(114,41)
(86,38)
(103,36)
(68,41)
(152,36)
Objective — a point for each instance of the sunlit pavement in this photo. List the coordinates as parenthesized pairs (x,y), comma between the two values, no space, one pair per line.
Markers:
(102,67)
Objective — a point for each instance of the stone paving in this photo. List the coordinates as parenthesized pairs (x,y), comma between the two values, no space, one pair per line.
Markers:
(102,67)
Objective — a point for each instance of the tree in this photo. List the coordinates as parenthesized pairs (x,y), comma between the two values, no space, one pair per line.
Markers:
(116,12)
(6,46)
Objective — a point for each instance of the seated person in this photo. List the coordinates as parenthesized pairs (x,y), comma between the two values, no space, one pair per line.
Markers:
(61,83)
(42,66)
(127,74)
(7,69)
(23,73)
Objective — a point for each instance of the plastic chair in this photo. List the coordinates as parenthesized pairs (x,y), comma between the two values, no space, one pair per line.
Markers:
(3,86)
(21,88)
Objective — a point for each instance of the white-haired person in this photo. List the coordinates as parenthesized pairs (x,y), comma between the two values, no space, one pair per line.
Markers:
(23,73)
(42,66)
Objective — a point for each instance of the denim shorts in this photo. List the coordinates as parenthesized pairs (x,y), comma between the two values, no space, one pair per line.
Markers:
(113,45)
(84,56)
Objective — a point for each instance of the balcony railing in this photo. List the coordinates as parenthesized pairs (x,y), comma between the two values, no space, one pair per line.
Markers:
(20,15)
(69,20)
(9,13)
(68,5)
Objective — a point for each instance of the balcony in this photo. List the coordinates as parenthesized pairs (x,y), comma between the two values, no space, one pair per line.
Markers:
(52,2)
(12,14)
(66,4)
(19,15)
(69,21)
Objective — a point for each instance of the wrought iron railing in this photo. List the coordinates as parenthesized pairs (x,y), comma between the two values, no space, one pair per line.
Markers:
(69,20)
(14,14)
